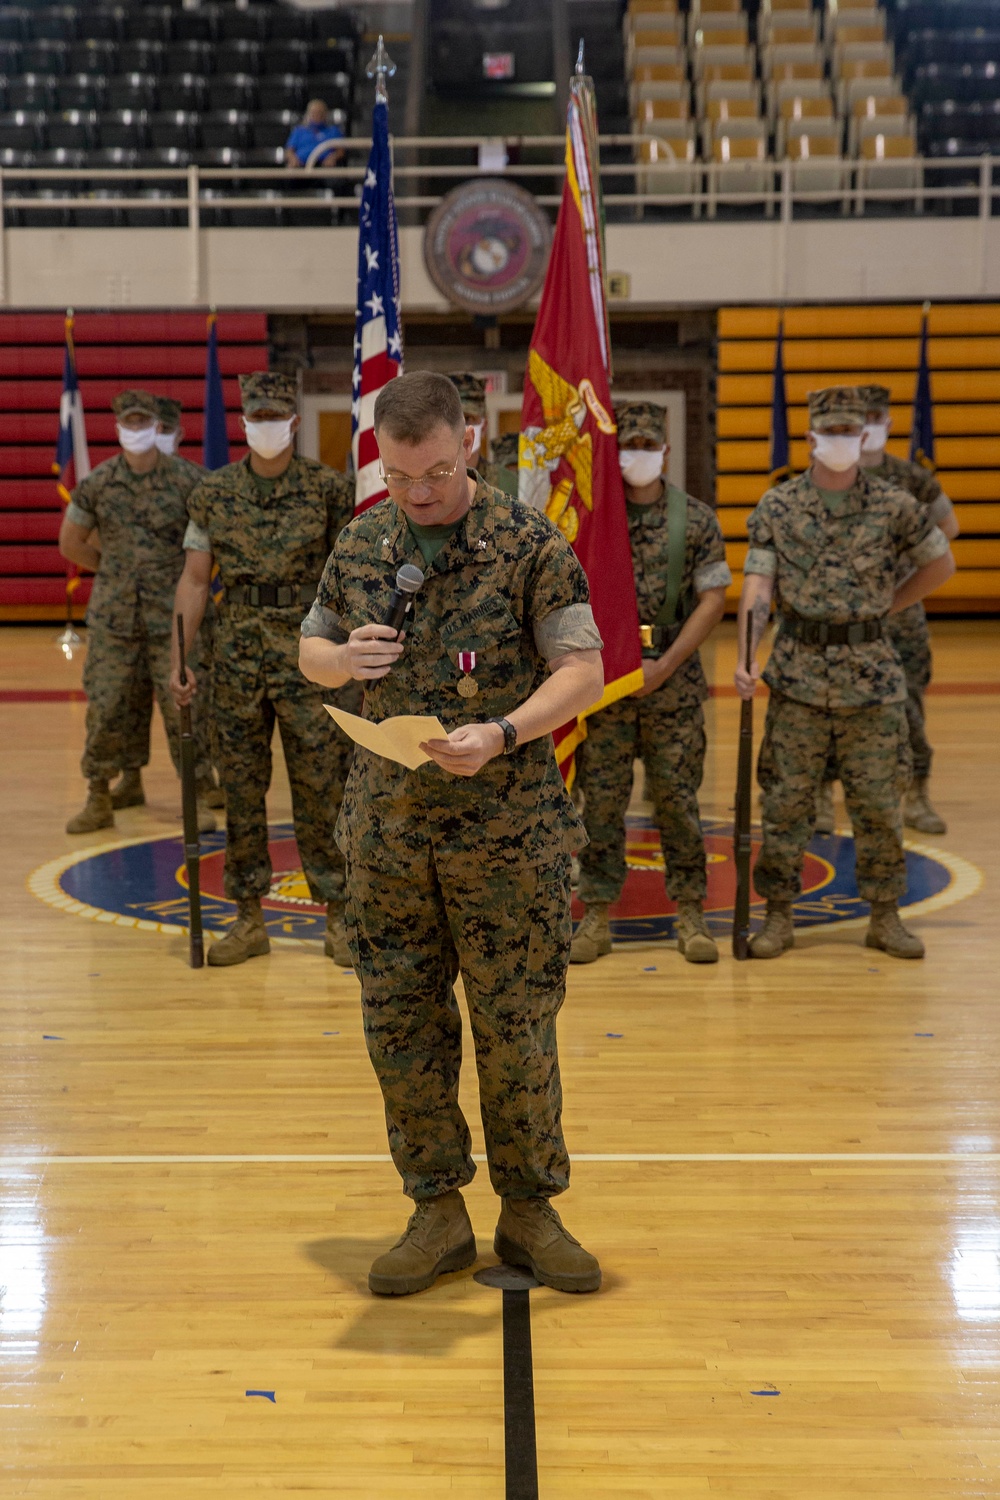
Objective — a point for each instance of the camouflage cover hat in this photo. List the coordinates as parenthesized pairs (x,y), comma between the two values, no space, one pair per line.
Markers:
(505,451)
(472,391)
(875,397)
(169,412)
(268,390)
(641,419)
(836,406)
(127,403)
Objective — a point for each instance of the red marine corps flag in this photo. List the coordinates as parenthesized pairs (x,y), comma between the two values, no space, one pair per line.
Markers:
(568,452)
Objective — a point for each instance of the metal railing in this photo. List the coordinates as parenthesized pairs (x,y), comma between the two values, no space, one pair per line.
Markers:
(636,188)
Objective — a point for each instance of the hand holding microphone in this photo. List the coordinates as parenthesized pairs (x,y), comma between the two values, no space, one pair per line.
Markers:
(373,650)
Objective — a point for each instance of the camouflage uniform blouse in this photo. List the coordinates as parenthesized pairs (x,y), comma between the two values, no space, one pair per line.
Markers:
(281,537)
(507,586)
(705,567)
(141,519)
(923,486)
(838,567)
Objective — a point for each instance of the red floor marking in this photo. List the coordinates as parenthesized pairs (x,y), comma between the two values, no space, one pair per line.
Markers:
(42,695)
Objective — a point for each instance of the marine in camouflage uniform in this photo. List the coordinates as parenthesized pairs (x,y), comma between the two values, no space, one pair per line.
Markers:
(505,453)
(138,709)
(665,727)
(140,519)
(449,873)
(833,559)
(472,393)
(271,538)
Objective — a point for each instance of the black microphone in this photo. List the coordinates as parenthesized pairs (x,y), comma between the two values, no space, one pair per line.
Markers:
(408,581)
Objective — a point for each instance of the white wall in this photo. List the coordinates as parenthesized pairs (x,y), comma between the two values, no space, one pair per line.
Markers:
(704,264)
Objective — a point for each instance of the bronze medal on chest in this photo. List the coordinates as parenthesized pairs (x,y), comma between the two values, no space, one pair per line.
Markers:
(468,687)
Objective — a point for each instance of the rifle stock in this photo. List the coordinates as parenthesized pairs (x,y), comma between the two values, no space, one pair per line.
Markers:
(741,819)
(189,803)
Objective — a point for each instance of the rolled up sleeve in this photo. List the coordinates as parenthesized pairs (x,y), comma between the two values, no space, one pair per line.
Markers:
(570,628)
(928,549)
(326,623)
(196,538)
(80,517)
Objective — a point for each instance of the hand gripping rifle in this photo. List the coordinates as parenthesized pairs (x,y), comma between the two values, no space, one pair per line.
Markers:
(741,819)
(189,802)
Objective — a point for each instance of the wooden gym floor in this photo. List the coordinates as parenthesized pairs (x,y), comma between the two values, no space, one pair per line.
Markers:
(790,1171)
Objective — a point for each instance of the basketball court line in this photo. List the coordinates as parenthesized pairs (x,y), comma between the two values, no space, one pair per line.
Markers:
(361,1158)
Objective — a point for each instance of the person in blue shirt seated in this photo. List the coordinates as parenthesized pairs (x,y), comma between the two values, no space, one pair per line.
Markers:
(316,126)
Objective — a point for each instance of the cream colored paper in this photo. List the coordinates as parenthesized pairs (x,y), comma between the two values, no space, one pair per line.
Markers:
(397,739)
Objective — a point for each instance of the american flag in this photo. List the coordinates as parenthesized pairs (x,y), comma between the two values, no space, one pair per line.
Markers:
(72,460)
(378,342)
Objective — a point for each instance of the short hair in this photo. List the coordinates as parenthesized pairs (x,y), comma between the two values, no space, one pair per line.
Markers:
(409,408)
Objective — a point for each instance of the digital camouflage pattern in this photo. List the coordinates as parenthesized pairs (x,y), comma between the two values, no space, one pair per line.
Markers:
(450,873)
(908,631)
(283,537)
(641,419)
(472,393)
(835,406)
(505,451)
(838,566)
(126,403)
(141,520)
(705,567)
(269,390)
(877,399)
(666,729)
(871,749)
(508,931)
(168,412)
(670,741)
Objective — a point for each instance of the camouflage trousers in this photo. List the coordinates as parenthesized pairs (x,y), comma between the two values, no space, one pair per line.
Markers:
(911,641)
(671,743)
(508,931)
(138,709)
(872,753)
(258,683)
(113,667)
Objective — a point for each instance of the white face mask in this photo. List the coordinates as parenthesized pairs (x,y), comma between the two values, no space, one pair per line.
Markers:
(268,439)
(137,439)
(837,450)
(478,429)
(874,437)
(641,466)
(167,441)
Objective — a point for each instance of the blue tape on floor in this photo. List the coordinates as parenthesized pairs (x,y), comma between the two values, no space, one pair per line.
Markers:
(47,1038)
(268,1395)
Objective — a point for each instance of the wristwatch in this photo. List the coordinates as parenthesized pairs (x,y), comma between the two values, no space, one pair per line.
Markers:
(509,734)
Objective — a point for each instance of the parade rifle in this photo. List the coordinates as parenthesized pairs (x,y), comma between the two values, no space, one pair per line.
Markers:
(189,802)
(741,819)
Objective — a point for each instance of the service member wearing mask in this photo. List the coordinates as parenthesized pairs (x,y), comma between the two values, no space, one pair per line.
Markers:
(472,392)
(270,522)
(126,521)
(829,547)
(681,577)
(907,630)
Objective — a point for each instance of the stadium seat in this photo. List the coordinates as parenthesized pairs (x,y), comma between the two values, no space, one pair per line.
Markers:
(286,57)
(289,25)
(127,129)
(225,127)
(76,129)
(279,91)
(334,55)
(10,58)
(113,158)
(61,156)
(739,165)
(104,23)
(264,156)
(94,55)
(14,23)
(151,22)
(770,21)
(814,113)
(785,54)
(174,127)
(45,57)
(190,57)
(232,91)
(709,51)
(55,22)
(729,88)
(199,24)
(251,23)
(35,91)
(238,56)
(335,89)
(667,166)
(790,130)
(817,165)
(787,90)
(141,57)
(888,162)
(737,119)
(23,130)
(272,129)
(132,91)
(82,91)
(722,21)
(183,91)
(649,111)
(663,82)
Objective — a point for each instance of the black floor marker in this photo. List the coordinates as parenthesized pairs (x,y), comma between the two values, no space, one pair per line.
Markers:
(520,1458)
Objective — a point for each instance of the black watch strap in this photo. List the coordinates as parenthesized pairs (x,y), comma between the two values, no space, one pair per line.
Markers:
(509,734)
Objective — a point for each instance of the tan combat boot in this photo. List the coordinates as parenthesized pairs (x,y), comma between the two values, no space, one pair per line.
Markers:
(128,792)
(918,812)
(531,1234)
(335,943)
(694,941)
(826,820)
(887,932)
(777,933)
(593,936)
(97,811)
(437,1239)
(247,938)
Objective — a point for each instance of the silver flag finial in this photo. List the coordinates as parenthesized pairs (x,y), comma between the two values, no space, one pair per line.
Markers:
(579,61)
(380,68)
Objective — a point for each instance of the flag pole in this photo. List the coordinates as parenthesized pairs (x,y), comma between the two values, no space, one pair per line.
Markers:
(68,640)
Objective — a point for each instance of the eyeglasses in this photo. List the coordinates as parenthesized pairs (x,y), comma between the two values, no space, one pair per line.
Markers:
(434,479)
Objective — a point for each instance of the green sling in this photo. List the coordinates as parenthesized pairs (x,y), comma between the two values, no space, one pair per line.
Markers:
(677,514)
